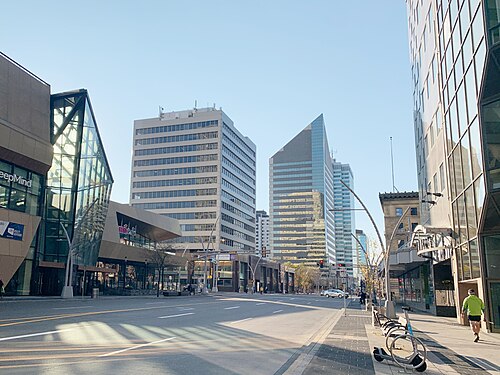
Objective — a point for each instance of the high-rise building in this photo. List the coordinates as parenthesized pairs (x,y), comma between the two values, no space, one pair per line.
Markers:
(301,198)
(454,48)
(362,249)
(195,166)
(262,234)
(343,214)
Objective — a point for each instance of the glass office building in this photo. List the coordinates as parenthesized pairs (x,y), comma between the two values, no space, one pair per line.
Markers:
(78,189)
(301,196)
(454,46)
(343,214)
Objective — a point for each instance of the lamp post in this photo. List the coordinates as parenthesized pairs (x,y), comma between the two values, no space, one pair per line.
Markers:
(205,250)
(124,272)
(389,304)
(67,291)
(253,271)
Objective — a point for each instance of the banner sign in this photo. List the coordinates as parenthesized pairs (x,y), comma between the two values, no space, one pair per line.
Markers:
(11,230)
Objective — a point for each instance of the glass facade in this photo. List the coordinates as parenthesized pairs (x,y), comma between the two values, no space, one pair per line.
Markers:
(78,183)
(344,218)
(467,34)
(301,194)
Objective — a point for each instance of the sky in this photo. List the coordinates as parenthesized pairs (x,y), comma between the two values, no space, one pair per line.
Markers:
(272,66)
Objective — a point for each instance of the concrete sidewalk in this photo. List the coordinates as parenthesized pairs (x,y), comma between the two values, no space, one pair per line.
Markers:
(450,347)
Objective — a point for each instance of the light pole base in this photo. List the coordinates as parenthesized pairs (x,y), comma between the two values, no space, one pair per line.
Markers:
(390,311)
(67,292)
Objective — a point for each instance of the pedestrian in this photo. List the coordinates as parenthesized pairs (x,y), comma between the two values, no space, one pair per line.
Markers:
(362,298)
(261,289)
(2,289)
(473,306)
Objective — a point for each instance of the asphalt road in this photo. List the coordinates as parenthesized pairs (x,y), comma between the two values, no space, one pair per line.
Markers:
(221,334)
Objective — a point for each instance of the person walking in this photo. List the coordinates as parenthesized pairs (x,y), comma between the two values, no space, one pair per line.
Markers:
(473,306)
(2,289)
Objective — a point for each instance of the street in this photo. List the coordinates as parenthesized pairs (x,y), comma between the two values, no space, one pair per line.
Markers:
(221,334)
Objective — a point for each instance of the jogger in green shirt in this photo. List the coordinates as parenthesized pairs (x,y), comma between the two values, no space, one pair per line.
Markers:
(473,306)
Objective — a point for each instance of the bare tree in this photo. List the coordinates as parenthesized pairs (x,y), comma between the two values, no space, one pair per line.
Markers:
(159,257)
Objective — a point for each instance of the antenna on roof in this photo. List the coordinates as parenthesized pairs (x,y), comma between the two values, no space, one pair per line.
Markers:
(394,189)
(195,104)
(160,111)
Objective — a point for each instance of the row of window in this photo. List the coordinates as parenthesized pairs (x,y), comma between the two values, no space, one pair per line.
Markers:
(234,157)
(237,245)
(237,212)
(177,182)
(176,160)
(413,211)
(237,201)
(174,171)
(167,205)
(227,140)
(232,176)
(239,171)
(238,191)
(191,215)
(174,193)
(176,149)
(238,139)
(176,138)
(196,227)
(176,128)
(237,234)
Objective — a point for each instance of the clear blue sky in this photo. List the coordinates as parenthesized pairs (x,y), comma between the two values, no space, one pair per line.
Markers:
(273,67)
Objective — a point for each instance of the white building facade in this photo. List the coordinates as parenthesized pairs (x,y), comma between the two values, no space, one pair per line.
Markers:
(195,166)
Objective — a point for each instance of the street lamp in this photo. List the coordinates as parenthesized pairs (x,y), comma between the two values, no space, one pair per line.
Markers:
(389,305)
(67,291)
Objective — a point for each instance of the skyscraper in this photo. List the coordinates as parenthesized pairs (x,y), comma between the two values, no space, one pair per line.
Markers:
(301,197)
(195,166)
(262,234)
(454,47)
(343,204)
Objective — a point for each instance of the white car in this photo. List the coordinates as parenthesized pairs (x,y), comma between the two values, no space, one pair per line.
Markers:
(335,293)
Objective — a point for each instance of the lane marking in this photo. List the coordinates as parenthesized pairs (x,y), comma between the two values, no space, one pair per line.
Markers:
(174,316)
(69,308)
(156,303)
(239,321)
(232,307)
(185,308)
(261,303)
(34,334)
(136,347)
(277,311)
(27,320)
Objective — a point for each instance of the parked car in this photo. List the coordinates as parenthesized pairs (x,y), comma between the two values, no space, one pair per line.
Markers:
(335,293)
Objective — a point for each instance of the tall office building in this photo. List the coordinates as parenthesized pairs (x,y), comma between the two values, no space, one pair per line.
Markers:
(454,47)
(262,234)
(301,197)
(195,166)
(343,214)
(362,248)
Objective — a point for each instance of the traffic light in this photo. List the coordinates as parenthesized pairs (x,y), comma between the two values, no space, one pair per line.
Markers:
(264,252)
(321,263)
(340,264)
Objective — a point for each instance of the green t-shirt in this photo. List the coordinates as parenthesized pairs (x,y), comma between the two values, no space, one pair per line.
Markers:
(473,306)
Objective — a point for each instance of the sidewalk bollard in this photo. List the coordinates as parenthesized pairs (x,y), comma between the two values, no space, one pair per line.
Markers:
(95,292)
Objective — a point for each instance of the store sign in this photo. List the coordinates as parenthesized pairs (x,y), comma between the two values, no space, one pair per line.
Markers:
(15,178)
(13,231)
(127,230)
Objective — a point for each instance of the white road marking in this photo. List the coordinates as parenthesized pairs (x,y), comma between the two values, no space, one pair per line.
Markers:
(68,308)
(136,347)
(242,320)
(232,307)
(261,303)
(277,311)
(34,334)
(185,308)
(156,303)
(174,316)
(291,299)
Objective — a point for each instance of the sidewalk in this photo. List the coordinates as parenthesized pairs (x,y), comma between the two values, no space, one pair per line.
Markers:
(348,347)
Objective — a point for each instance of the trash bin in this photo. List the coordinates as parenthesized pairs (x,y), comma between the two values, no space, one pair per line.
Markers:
(95,292)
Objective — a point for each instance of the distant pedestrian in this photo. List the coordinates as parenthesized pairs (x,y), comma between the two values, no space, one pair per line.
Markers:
(2,289)
(261,289)
(362,298)
(473,306)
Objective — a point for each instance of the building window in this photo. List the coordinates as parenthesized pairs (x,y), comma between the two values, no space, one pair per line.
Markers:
(399,211)
(414,211)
